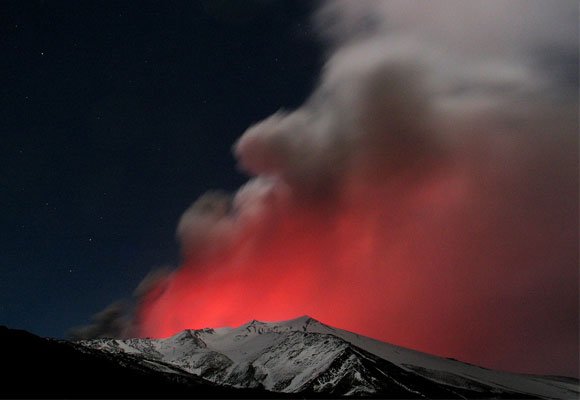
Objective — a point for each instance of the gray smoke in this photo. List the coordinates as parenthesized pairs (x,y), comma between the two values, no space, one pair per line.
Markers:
(436,167)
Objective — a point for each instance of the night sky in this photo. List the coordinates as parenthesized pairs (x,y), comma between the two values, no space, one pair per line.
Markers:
(114,117)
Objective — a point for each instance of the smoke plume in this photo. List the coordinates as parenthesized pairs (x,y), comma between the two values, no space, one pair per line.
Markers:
(425,194)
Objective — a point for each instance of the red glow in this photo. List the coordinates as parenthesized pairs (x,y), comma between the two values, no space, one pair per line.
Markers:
(440,269)
(349,269)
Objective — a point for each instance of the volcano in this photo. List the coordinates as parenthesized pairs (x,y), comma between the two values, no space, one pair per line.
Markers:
(308,358)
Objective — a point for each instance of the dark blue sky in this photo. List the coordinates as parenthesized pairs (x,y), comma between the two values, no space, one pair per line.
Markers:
(114,117)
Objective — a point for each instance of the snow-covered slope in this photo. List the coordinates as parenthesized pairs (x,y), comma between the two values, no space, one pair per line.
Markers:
(304,355)
(40,368)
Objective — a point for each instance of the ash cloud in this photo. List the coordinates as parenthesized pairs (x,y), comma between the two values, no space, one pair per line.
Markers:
(425,194)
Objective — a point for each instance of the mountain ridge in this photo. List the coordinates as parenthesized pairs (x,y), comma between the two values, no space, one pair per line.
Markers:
(38,367)
(305,355)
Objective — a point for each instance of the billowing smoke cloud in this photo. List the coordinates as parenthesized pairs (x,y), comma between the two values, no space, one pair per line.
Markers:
(425,194)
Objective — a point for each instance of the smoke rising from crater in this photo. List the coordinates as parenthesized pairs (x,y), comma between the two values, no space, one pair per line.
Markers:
(425,194)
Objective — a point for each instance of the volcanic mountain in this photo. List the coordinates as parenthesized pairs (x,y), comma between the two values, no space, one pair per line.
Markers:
(298,358)
(308,358)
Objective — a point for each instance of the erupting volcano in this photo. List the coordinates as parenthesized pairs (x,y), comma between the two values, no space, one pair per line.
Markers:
(425,194)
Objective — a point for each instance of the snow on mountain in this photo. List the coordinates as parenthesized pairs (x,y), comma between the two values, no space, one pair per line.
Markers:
(39,368)
(304,355)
